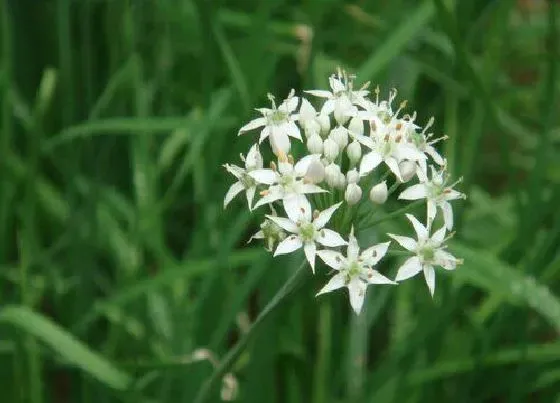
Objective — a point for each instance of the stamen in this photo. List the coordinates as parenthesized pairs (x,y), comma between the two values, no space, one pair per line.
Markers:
(264,192)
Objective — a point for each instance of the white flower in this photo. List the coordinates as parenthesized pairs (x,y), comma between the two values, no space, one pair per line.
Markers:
(437,193)
(245,182)
(340,136)
(308,118)
(354,270)
(270,232)
(330,149)
(352,176)
(286,181)
(356,126)
(429,252)
(379,193)
(423,142)
(307,232)
(408,170)
(332,174)
(278,122)
(342,98)
(315,172)
(391,149)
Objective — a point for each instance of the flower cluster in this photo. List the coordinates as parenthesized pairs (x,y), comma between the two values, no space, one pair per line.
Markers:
(353,143)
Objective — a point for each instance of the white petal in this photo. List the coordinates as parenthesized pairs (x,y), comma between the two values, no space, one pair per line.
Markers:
(405,242)
(445,259)
(253,124)
(289,105)
(325,215)
(414,192)
(265,132)
(369,162)
(374,277)
(254,158)
(250,195)
(330,238)
(284,223)
(447,215)
(310,249)
(336,282)
(236,171)
(439,235)
(365,140)
(431,214)
(410,268)
(297,208)
(431,151)
(265,176)
(257,235)
(357,293)
(393,165)
(422,175)
(271,197)
(332,258)
(430,277)
(374,254)
(409,152)
(328,107)
(292,130)
(288,245)
(309,188)
(353,250)
(279,141)
(421,231)
(232,192)
(320,93)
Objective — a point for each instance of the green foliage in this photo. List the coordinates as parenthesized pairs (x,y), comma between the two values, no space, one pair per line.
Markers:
(118,262)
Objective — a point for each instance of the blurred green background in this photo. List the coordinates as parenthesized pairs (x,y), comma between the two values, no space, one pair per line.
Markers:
(118,261)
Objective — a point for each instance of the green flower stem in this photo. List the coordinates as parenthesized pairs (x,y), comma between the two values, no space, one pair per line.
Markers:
(227,362)
(392,215)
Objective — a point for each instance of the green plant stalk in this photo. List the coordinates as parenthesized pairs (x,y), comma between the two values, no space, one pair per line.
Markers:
(227,362)
(322,367)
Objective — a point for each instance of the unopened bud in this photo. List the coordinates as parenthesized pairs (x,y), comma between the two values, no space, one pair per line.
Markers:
(315,144)
(330,149)
(378,194)
(341,182)
(332,172)
(407,169)
(315,172)
(354,152)
(340,136)
(352,176)
(311,127)
(353,194)
(356,126)
(325,124)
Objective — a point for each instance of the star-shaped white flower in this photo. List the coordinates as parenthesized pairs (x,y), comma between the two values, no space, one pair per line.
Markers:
(354,270)
(342,98)
(307,232)
(429,251)
(278,122)
(253,161)
(437,194)
(422,141)
(286,181)
(389,147)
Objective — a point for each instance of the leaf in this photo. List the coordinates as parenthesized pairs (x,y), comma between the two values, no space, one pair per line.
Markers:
(486,271)
(66,346)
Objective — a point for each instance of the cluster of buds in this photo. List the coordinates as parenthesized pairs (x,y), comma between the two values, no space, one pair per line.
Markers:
(353,144)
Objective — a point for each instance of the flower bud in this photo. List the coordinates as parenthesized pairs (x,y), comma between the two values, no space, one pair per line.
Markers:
(315,144)
(352,176)
(356,126)
(315,172)
(341,182)
(330,149)
(340,136)
(311,128)
(343,110)
(332,172)
(378,194)
(354,152)
(407,169)
(254,159)
(353,194)
(325,123)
